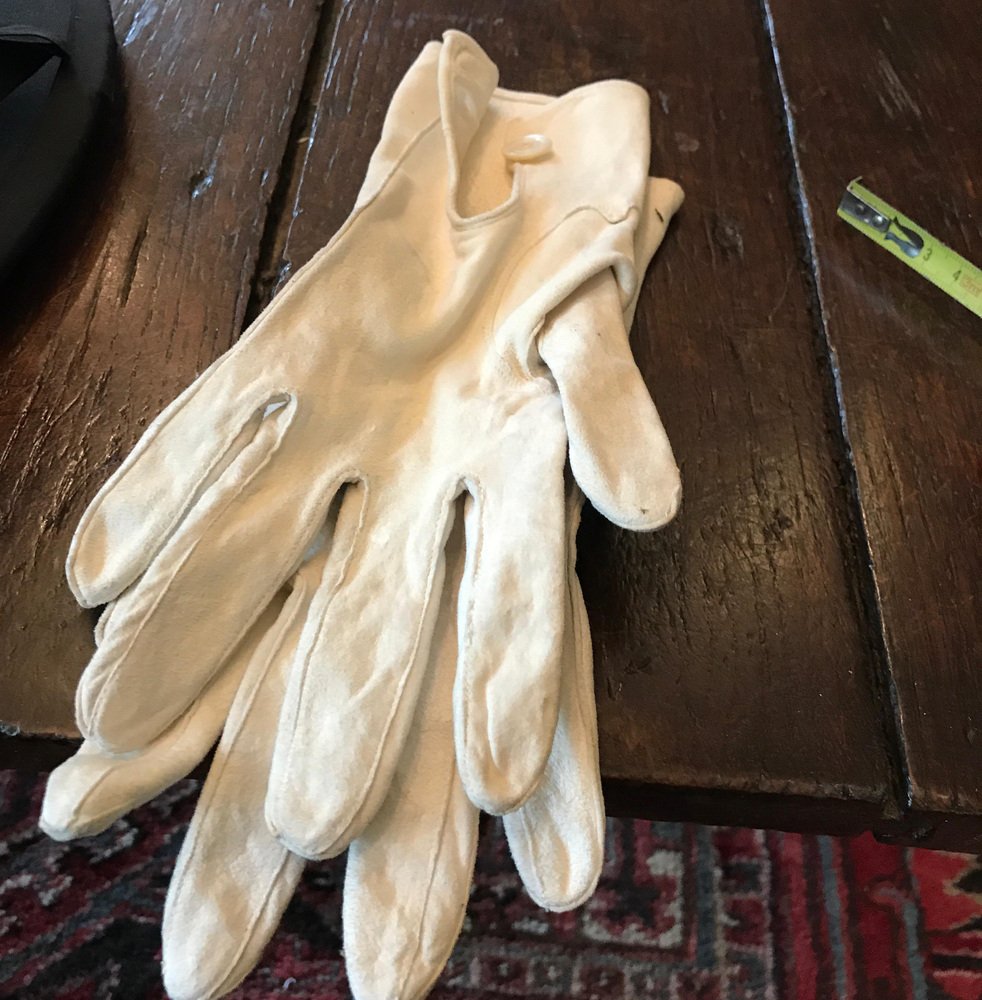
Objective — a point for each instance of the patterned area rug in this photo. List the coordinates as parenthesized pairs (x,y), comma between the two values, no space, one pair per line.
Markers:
(682,913)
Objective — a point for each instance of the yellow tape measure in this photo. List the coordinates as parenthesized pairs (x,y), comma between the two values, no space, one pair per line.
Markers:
(915,246)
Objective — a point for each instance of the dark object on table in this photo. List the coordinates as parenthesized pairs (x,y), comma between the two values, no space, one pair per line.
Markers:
(57,72)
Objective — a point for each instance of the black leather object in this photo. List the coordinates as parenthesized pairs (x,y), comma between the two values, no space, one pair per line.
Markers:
(57,73)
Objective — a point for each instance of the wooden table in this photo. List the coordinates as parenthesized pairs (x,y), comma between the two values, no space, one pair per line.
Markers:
(801,648)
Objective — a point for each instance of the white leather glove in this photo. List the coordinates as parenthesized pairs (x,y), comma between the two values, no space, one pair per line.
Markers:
(406,359)
(408,875)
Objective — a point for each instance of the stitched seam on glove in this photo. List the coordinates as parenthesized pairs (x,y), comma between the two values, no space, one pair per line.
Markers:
(296,284)
(145,443)
(204,802)
(357,807)
(449,785)
(576,281)
(466,640)
(216,514)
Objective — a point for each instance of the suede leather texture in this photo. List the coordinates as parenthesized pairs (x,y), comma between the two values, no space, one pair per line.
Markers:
(348,547)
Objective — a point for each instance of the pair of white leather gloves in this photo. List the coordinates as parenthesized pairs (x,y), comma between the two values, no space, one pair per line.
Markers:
(347,549)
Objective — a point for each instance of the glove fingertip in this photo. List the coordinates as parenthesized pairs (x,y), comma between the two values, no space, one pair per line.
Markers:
(637,495)
(51,828)
(494,793)
(89,587)
(557,844)
(60,819)
(182,981)
(61,809)
(574,893)
(300,830)
(665,198)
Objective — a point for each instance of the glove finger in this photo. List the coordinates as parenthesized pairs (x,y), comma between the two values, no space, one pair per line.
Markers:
(557,837)
(182,452)
(361,661)
(618,449)
(408,876)
(92,789)
(180,621)
(511,621)
(233,878)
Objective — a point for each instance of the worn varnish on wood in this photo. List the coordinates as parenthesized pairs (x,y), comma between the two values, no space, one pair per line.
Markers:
(742,675)
(891,93)
(154,292)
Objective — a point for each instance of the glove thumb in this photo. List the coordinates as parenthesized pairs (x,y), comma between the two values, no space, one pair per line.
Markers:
(618,449)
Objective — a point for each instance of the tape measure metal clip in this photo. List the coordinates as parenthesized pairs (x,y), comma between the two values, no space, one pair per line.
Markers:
(891,229)
(912,244)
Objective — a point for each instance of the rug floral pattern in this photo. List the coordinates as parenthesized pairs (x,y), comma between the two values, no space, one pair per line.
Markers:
(682,913)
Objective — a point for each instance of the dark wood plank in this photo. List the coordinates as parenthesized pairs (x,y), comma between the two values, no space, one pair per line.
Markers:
(890,92)
(731,649)
(154,290)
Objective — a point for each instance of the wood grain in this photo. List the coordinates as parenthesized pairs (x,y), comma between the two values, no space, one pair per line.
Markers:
(731,649)
(891,93)
(151,293)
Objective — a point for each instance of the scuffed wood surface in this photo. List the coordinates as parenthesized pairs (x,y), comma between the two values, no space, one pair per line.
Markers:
(890,92)
(146,299)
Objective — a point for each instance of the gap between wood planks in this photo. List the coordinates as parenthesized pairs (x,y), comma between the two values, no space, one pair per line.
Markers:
(862,556)
(270,269)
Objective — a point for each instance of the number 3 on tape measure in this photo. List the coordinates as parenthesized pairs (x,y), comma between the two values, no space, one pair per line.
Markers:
(915,246)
